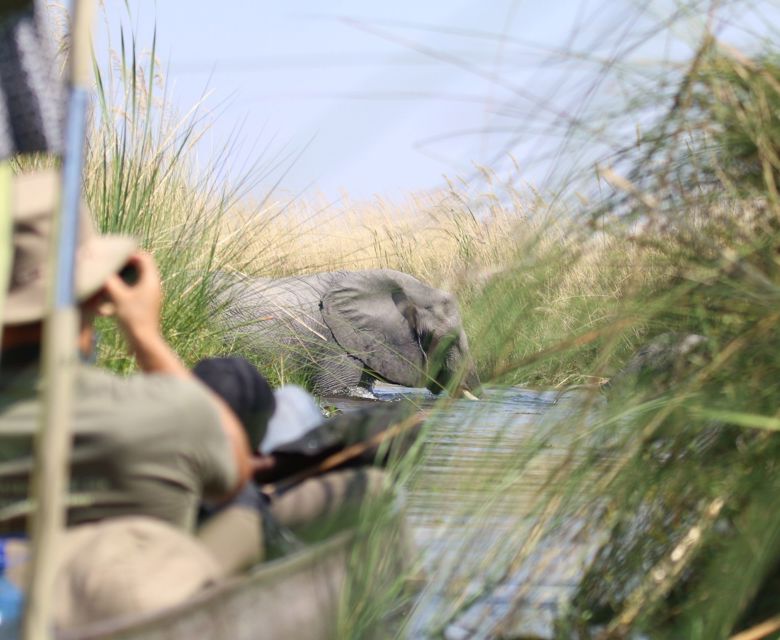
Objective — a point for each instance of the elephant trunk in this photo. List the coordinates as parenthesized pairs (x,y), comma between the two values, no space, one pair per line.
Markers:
(469,385)
(471,382)
(455,370)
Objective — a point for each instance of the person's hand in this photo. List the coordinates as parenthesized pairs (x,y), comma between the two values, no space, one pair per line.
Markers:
(262,464)
(137,306)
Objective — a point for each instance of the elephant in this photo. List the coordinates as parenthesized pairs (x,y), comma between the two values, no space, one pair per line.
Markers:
(348,328)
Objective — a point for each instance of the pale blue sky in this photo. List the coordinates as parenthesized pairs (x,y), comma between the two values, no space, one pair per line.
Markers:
(386,98)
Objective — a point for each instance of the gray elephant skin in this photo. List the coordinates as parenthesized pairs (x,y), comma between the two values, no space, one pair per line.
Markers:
(348,328)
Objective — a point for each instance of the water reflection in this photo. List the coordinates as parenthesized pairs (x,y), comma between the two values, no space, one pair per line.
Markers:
(475,505)
(500,552)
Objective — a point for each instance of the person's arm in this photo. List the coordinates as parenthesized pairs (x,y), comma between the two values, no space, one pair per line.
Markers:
(137,309)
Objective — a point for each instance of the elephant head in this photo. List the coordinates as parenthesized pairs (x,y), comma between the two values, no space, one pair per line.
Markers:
(401,329)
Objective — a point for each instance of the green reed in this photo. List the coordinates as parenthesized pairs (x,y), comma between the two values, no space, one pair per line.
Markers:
(142,179)
(673,477)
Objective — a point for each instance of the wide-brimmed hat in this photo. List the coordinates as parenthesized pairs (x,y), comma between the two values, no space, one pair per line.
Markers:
(35,199)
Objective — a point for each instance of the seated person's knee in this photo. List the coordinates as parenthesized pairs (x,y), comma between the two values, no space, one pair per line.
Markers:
(327,495)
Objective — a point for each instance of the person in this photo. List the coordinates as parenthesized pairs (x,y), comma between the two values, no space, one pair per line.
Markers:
(148,449)
(155,443)
(288,433)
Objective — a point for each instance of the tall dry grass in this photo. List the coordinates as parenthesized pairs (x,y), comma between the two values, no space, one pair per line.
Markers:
(436,236)
(526,274)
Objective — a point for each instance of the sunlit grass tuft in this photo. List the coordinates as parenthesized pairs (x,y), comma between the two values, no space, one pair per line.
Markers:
(141,180)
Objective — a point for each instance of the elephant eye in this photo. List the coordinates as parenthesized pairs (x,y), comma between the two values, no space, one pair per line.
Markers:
(425,340)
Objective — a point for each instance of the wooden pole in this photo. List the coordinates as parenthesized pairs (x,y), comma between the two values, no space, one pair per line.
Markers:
(760,631)
(53,442)
(6,229)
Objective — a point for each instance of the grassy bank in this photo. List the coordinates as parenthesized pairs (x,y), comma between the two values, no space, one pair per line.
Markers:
(546,276)
(540,273)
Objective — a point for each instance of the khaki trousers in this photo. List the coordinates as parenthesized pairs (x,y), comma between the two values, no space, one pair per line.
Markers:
(119,567)
(134,564)
(236,535)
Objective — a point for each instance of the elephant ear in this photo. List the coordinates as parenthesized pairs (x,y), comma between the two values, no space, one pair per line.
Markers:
(372,319)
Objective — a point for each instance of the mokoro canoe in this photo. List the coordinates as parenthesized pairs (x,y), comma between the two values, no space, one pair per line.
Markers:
(296,596)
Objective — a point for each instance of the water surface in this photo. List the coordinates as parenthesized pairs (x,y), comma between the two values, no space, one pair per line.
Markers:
(476,506)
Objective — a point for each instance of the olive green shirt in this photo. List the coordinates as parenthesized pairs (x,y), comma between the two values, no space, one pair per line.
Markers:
(148,444)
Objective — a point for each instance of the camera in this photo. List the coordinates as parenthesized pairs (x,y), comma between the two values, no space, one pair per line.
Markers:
(129,274)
